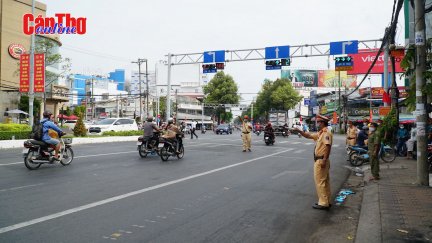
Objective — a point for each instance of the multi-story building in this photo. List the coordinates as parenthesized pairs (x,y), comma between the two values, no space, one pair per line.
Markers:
(13,43)
(118,76)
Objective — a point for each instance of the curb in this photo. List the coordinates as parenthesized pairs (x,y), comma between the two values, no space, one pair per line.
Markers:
(369,225)
(8,144)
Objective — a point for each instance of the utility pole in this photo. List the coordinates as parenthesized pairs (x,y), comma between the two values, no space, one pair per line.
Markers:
(168,99)
(386,52)
(340,109)
(147,89)
(421,115)
(139,61)
(92,99)
(31,91)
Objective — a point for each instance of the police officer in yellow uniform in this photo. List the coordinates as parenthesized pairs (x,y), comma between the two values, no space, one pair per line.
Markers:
(246,130)
(351,134)
(324,141)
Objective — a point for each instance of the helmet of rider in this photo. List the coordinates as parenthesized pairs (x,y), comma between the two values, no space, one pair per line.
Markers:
(47,114)
(269,124)
(170,121)
(149,118)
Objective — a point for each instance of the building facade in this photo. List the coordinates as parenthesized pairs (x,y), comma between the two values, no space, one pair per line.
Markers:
(13,43)
(118,76)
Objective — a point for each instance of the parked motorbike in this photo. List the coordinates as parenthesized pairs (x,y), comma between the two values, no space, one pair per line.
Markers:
(36,153)
(146,147)
(167,148)
(360,156)
(268,139)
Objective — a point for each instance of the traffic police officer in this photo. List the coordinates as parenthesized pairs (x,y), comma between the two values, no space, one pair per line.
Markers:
(324,141)
(374,143)
(246,134)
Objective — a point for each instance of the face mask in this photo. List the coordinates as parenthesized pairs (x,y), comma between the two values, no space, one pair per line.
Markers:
(379,124)
(401,127)
(372,129)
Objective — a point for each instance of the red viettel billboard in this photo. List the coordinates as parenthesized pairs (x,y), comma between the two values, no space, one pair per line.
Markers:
(363,60)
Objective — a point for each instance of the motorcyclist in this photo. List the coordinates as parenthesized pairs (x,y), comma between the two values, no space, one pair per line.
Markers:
(362,136)
(269,131)
(149,128)
(173,134)
(48,124)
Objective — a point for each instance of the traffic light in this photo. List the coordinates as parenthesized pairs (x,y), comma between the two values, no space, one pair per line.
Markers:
(209,68)
(285,62)
(220,66)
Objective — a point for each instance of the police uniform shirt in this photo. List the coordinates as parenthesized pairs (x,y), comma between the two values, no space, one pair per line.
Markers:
(352,133)
(322,138)
(246,128)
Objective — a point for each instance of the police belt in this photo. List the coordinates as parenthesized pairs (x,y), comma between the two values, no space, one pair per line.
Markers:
(318,157)
(245,132)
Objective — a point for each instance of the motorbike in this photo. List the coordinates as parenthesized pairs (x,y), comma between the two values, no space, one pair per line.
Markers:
(360,155)
(167,148)
(257,132)
(36,153)
(268,139)
(148,146)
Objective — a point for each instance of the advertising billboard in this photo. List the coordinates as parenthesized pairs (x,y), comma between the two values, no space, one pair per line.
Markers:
(363,60)
(330,78)
(309,78)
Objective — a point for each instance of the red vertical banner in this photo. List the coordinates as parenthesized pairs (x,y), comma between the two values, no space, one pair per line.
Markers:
(24,73)
(335,118)
(39,72)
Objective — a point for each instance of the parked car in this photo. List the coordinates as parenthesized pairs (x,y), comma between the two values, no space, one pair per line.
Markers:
(224,128)
(113,124)
(70,123)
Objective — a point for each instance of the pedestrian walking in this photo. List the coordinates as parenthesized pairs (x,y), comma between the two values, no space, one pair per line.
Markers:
(374,143)
(193,124)
(411,141)
(246,134)
(402,137)
(324,141)
(351,134)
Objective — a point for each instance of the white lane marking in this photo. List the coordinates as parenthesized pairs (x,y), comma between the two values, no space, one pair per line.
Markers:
(95,155)
(123,196)
(335,145)
(283,142)
(295,142)
(14,163)
(309,143)
(20,187)
(287,172)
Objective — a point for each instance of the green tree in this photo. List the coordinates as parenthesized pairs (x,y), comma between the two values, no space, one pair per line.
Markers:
(24,106)
(48,47)
(79,111)
(222,89)
(409,67)
(277,95)
(80,129)
(162,107)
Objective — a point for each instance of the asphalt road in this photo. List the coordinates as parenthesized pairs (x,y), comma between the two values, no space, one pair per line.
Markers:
(216,193)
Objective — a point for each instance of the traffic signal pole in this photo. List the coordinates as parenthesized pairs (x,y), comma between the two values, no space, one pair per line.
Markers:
(31,91)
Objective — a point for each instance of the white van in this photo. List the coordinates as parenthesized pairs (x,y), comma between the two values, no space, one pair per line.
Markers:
(113,124)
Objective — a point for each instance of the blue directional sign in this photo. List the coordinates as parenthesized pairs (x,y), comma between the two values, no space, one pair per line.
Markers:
(344,47)
(277,52)
(306,101)
(214,56)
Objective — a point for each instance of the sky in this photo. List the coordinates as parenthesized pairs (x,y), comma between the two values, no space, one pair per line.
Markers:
(119,32)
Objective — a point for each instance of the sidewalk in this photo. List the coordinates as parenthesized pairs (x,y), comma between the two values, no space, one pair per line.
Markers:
(395,209)
(7,144)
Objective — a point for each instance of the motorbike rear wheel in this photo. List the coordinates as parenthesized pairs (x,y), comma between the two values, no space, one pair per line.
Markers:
(28,162)
(141,152)
(164,153)
(388,155)
(67,156)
